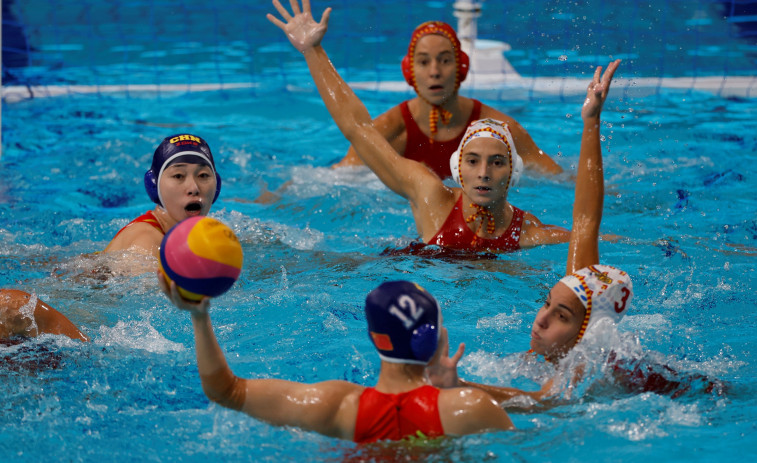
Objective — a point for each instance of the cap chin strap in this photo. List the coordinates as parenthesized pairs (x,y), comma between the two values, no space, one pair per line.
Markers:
(437,113)
(485,215)
(168,161)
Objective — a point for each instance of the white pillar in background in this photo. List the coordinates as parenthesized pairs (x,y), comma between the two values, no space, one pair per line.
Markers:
(487,59)
(467,13)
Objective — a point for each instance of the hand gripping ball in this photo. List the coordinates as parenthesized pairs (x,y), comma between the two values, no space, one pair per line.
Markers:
(202,255)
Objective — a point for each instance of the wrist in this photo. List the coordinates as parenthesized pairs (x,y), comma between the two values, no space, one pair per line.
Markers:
(200,316)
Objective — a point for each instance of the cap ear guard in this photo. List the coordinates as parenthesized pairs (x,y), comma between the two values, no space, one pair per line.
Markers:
(407,70)
(454,166)
(517,168)
(463,67)
(151,186)
(424,341)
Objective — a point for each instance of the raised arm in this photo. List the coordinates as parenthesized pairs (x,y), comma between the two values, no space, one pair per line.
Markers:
(324,407)
(590,188)
(401,175)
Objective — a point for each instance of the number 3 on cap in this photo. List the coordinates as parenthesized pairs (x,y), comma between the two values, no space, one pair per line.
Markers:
(621,306)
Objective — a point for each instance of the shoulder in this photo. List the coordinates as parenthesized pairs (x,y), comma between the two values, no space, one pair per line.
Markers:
(393,116)
(466,410)
(341,402)
(138,235)
(535,233)
(391,123)
(466,398)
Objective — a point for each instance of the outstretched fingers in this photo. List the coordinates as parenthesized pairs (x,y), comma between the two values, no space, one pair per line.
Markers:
(282,11)
(598,89)
(295,4)
(608,75)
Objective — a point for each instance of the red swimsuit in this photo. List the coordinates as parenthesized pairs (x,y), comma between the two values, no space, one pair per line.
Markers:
(148,218)
(396,416)
(435,155)
(456,234)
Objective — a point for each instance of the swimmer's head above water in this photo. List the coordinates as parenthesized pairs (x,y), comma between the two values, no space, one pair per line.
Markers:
(438,28)
(488,128)
(575,304)
(604,291)
(179,148)
(404,322)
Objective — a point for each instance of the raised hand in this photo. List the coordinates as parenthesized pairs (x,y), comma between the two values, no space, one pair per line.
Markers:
(597,92)
(442,371)
(300,27)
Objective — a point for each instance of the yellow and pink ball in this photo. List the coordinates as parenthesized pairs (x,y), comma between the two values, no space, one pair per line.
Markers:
(202,255)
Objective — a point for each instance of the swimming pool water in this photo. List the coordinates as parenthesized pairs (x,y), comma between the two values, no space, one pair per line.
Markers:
(679,171)
(679,167)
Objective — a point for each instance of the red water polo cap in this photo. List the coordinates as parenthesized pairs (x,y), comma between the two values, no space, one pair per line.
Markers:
(440,28)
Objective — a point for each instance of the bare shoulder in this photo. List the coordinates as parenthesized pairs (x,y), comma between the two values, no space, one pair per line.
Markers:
(465,410)
(467,397)
(137,236)
(345,397)
(535,233)
(391,123)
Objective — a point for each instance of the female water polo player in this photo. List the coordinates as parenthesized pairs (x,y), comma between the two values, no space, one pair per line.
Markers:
(183,182)
(430,127)
(405,326)
(22,315)
(477,216)
(590,292)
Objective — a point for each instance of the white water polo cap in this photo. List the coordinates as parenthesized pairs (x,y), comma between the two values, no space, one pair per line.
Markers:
(605,292)
(488,128)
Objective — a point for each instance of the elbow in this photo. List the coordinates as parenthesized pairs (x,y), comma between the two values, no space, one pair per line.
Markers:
(356,128)
(225,389)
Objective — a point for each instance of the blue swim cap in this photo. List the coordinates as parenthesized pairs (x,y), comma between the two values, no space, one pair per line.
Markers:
(178,148)
(404,322)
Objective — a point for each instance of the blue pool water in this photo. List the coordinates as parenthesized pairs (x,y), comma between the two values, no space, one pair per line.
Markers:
(680,170)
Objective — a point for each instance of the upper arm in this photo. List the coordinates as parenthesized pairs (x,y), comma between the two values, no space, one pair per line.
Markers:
(535,233)
(321,407)
(409,179)
(469,411)
(391,126)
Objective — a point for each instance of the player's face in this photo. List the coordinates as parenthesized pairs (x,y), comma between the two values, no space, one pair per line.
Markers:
(187,190)
(435,68)
(556,326)
(485,171)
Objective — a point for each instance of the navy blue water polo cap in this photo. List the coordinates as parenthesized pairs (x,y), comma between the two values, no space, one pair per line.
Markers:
(179,148)
(404,322)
